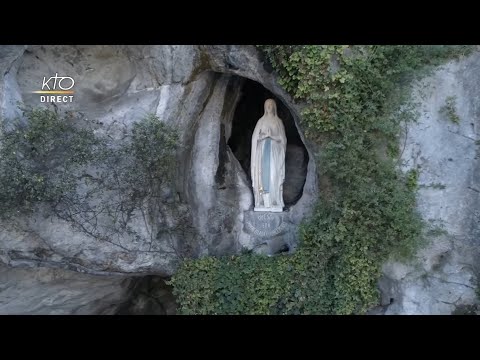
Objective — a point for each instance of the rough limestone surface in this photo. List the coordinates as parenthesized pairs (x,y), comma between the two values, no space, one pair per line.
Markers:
(48,291)
(195,88)
(150,296)
(444,274)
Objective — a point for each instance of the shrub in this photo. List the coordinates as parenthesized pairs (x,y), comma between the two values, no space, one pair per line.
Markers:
(98,184)
(40,159)
(450,109)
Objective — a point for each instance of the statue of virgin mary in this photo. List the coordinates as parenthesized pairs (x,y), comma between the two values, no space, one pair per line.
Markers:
(269,144)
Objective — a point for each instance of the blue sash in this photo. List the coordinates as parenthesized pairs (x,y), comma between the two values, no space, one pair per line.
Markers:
(266,165)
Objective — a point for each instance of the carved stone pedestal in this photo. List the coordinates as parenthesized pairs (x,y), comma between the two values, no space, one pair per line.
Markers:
(265,224)
(270,232)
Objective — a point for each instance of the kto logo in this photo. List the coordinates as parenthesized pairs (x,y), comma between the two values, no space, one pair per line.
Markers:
(56,85)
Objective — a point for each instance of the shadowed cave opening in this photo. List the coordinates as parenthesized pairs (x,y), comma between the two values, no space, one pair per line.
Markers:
(248,110)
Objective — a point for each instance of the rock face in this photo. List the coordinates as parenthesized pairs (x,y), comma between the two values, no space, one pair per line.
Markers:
(195,88)
(444,274)
(10,59)
(150,296)
(47,291)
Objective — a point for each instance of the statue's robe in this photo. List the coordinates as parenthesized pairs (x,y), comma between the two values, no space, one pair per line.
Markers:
(268,162)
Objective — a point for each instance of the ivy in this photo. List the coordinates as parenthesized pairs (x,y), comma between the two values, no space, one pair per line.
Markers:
(247,284)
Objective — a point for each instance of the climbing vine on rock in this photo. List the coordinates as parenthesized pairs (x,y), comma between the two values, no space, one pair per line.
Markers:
(104,187)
